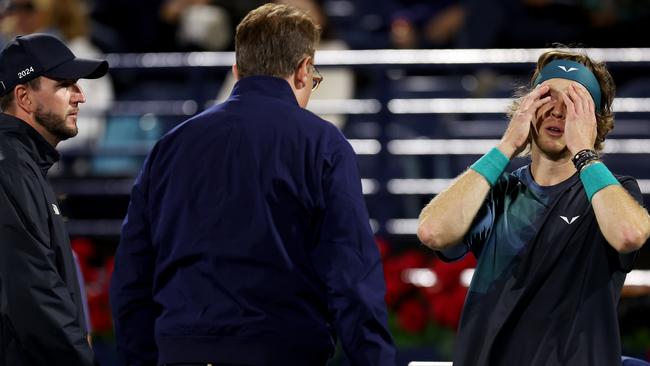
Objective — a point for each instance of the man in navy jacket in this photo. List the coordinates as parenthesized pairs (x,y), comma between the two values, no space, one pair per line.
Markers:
(247,239)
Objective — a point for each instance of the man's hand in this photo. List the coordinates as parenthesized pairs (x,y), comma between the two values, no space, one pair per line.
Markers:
(514,139)
(580,127)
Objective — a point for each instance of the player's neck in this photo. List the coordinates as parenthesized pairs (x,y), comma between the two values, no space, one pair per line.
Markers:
(549,172)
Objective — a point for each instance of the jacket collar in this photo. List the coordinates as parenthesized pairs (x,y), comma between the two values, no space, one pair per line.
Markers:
(265,85)
(44,154)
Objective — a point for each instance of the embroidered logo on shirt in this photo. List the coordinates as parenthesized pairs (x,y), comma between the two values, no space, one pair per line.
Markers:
(566,219)
(56,209)
(567,70)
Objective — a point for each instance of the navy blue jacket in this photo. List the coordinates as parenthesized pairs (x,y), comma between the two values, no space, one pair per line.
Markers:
(247,241)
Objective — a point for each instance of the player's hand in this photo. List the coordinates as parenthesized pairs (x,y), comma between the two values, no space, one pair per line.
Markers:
(580,126)
(516,136)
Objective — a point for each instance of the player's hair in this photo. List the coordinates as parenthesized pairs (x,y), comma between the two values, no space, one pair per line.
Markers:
(604,117)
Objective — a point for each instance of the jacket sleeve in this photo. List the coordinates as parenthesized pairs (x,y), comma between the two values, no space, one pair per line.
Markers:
(133,308)
(347,260)
(37,308)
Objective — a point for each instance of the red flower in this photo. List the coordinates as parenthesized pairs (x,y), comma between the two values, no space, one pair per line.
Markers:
(393,269)
(85,251)
(96,279)
(412,316)
(446,307)
(383,246)
(448,295)
(416,306)
(449,273)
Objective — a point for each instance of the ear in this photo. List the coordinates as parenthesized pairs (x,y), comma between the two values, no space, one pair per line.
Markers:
(22,98)
(235,71)
(301,75)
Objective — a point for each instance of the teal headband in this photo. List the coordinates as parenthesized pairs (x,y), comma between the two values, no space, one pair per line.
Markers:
(571,70)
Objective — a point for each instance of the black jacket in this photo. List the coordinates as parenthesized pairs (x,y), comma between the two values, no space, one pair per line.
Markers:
(41,314)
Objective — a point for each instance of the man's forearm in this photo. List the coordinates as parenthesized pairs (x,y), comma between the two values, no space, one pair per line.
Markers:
(446,219)
(623,222)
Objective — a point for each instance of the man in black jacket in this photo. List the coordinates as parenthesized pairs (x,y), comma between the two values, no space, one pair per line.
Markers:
(41,311)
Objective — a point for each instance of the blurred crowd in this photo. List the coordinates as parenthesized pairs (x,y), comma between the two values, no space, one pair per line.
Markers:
(95,27)
(187,25)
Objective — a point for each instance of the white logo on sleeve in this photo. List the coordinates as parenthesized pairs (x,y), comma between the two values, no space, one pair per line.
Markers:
(566,219)
(56,209)
(567,70)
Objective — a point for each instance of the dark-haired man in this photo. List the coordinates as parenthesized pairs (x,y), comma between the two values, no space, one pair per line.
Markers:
(41,310)
(247,240)
(553,239)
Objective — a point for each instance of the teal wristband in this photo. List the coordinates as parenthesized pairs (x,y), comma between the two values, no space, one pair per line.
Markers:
(595,177)
(491,165)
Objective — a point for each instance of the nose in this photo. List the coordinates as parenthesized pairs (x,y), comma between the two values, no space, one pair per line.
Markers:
(78,95)
(559,109)
(557,114)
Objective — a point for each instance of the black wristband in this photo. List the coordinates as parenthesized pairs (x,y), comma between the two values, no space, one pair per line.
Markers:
(584,157)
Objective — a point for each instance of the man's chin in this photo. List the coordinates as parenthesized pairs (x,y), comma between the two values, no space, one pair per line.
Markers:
(65,134)
(70,135)
(57,126)
(554,151)
(69,130)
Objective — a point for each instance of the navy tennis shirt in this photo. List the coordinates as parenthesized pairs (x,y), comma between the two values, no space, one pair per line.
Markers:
(547,283)
(247,240)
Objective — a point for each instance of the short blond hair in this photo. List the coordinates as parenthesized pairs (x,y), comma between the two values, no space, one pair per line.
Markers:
(273,39)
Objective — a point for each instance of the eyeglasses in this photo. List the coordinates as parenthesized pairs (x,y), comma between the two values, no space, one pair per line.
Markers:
(316,78)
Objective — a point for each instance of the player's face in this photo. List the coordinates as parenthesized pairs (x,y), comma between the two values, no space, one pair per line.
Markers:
(550,118)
